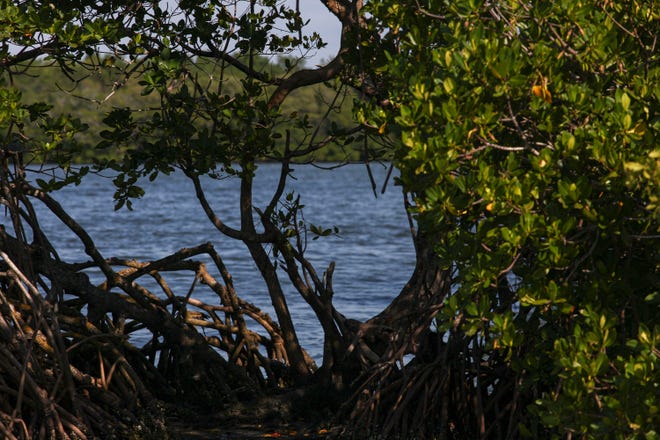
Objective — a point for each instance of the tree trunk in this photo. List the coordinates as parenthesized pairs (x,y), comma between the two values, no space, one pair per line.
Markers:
(396,330)
(401,327)
(269,273)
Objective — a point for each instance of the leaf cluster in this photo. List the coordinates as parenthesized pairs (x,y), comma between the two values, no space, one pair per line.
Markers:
(95,97)
(193,72)
(529,140)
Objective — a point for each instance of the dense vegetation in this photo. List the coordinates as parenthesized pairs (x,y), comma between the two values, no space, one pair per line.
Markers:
(530,141)
(88,92)
(526,136)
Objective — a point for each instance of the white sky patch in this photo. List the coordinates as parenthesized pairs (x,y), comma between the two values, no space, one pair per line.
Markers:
(325,24)
(321,21)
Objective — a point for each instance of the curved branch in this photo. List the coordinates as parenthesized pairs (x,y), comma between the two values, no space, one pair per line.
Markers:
(348,13)
(26,55)
(243,234)
(307,77)
(90,247)
(216,53)
(284,172)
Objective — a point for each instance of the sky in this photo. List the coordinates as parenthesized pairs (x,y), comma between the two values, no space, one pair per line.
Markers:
(323,22)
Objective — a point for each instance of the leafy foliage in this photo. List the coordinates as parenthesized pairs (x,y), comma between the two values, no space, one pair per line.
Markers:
(97,61)
(142,89)
(529,139)
(100,96)
(526,134)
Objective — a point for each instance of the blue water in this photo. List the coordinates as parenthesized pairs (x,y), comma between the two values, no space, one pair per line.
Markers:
(373,252)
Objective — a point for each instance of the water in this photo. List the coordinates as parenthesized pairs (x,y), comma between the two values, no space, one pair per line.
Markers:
(373,253)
